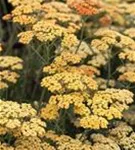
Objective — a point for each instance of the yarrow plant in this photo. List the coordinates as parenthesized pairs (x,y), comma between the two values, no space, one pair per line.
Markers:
(67,75)
(9,66)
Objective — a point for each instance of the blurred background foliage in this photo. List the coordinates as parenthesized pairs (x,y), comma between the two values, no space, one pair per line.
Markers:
(28,87)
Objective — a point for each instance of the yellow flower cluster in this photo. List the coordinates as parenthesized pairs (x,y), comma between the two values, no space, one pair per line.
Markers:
(64,142)
(92,122)
(128,76)
(32,143)
(8,67)
(111,102)
(100,108)
(50,112)
(19,2)
(107,40)
(26,37)
(47,31)
(74,86)
(68,82)
(130,32)
(27,143)
(66,61)
(115,38)
(63,15)
(104,106)
(13,63)
(127,55)
(128,142)
(25,13)
(13,119)
(120,136)
(124,136)
(46,21)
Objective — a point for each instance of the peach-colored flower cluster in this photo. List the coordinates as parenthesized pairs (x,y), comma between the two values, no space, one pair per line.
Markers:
(86,7)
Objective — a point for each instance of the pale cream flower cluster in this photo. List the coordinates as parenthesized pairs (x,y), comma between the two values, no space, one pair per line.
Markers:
(101,142)
(110,39)
(124,136)
(119,11)
(110,43)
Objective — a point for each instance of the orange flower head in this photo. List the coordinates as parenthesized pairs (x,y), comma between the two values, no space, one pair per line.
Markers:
(86,7)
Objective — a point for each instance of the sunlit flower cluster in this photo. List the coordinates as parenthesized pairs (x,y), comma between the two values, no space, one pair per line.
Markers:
(13,119)
(64,82)
(46,21)
(102,108)
(67,61)
(78,89)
